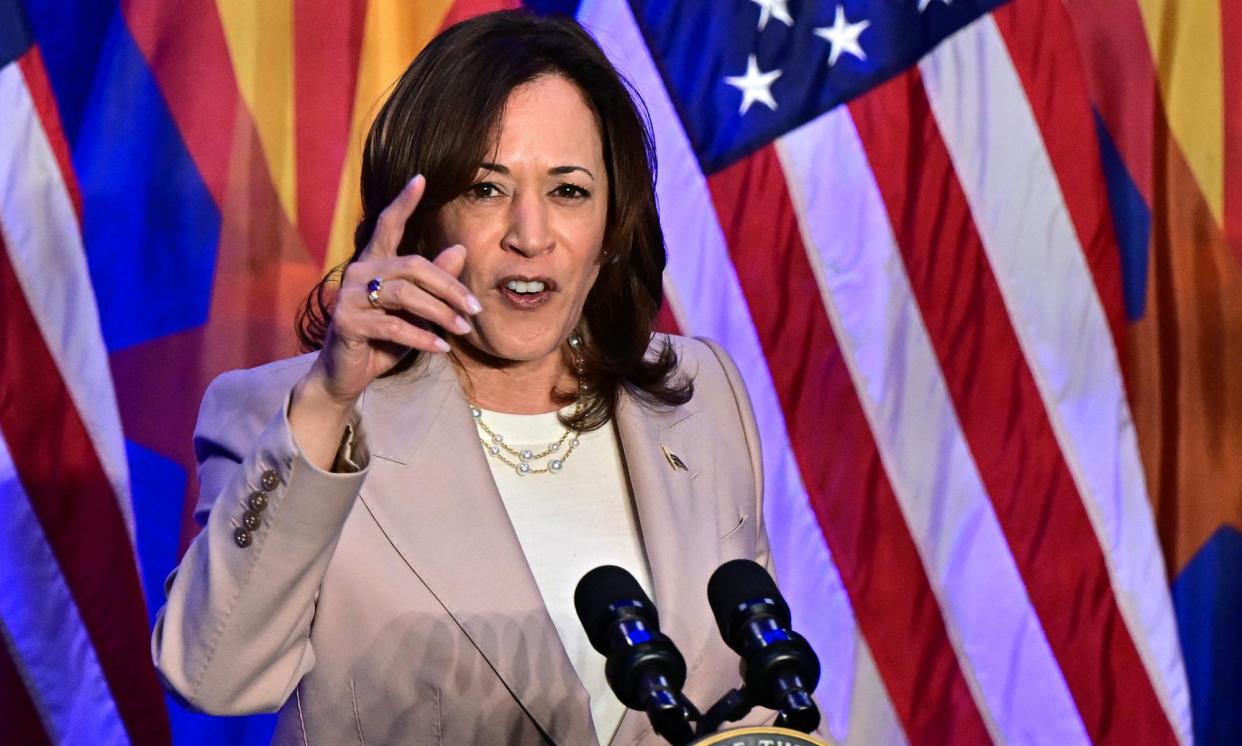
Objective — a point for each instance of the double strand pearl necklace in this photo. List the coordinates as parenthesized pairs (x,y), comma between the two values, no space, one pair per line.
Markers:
(526,461)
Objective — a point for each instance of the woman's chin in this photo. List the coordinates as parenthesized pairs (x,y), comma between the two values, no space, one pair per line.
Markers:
(501,352)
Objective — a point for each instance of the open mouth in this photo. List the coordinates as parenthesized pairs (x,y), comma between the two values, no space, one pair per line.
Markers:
(526,292)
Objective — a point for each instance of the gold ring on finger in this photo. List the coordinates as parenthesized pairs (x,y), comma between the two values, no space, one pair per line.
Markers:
(373,291)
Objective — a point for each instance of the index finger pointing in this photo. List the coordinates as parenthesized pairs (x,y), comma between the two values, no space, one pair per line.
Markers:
(390,226)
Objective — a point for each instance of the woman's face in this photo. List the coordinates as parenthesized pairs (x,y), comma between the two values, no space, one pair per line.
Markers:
(533,222)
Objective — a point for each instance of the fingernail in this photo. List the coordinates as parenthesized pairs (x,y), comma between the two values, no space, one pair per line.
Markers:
(441,345)
(473,304)
(416,178)
(462,325)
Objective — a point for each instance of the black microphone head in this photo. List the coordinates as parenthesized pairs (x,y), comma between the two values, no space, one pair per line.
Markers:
(737,584)
(595,595)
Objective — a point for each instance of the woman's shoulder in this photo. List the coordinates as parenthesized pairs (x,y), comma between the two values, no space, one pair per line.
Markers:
(275,372)
(252,391)
(720,399)
(701,359)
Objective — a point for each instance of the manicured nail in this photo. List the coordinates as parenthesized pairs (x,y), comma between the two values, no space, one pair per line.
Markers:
(473,304)
(462,325)
(441,345)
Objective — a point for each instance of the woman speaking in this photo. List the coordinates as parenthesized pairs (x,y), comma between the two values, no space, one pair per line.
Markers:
(394,523)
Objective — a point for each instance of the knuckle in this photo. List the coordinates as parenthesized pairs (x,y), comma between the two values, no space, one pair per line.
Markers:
(386,217)
(359,273)
(406,296)
(412,336)
(387,229)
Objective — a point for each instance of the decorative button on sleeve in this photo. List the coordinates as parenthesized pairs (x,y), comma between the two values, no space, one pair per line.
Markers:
(258,502)
(250,520)
(242,537)
(270,480)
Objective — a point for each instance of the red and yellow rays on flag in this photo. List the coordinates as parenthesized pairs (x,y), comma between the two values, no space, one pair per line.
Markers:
(939,524)
(1160,74)
(1165,79)
(273,101)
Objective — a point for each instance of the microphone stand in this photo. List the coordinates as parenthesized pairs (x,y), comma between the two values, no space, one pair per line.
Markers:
(734,705)
(669,711)
(798,711)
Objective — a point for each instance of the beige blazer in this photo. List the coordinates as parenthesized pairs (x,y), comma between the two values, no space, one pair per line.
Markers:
(394,604)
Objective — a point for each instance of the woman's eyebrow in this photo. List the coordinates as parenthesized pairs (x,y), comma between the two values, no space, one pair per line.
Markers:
(559,170)
(554,171)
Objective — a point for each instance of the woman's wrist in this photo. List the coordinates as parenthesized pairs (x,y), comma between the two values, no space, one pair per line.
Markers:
(317,419)
(313,391)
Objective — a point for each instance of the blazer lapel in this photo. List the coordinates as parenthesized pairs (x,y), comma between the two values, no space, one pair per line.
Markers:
(432,493)
(679,528)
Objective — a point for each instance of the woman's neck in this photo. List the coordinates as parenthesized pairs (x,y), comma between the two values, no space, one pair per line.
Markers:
(513,387)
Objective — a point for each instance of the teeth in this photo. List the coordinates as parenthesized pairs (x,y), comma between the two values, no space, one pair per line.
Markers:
(518,286)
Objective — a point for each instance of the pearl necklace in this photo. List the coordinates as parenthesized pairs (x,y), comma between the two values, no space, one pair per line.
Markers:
(497,448)
(522,461)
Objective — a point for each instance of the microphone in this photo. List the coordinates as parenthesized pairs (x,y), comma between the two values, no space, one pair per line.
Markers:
(778,666)
(644,669)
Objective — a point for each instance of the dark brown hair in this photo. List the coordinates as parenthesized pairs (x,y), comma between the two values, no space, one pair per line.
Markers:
(441,119)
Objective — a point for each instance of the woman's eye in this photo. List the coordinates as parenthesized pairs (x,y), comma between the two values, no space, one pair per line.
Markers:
(483,190)
(571,191)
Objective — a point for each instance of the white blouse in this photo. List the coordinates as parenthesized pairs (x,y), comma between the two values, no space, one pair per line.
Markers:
(570,522)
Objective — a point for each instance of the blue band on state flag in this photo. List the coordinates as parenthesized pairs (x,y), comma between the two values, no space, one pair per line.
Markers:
(15,37)
(71,36)
(742,73)
(150,226)
(1131,222)
(1208,597)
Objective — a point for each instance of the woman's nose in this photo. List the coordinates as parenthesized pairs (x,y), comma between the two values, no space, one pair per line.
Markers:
(529,231)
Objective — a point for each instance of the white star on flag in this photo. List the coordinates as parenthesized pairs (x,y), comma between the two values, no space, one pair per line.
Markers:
(843,36)
(754,85)
(778,9)
(924,3)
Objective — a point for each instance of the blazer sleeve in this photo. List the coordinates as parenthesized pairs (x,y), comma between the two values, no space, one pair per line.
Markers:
(234,634)
(750,430)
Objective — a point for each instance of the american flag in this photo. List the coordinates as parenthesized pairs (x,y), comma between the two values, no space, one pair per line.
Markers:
(889,214)
(920,227)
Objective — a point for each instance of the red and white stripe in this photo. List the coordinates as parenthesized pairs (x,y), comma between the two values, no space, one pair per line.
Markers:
(44,239)
(43,629)
(72,605)
(985,117)
(995,630)
(710,303)
(921,292)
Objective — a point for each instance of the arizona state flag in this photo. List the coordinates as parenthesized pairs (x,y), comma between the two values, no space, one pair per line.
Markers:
(978,262)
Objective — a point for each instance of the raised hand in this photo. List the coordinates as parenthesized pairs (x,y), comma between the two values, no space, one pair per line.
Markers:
(381,302)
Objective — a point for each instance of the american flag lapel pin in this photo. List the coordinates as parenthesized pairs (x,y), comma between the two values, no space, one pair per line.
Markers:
(673,459)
